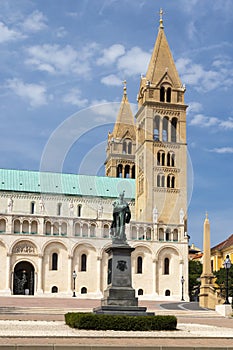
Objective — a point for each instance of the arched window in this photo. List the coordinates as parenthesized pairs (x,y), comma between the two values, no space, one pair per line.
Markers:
(25,226)
(133,172)
(92,230)
(175,235)
(161,234)
(2,225)
(139,264)
(106,231)
(54,261)
(83,262)
(148,234)
(141,233)
(174,130)
(64,229)
(59,205)
(129,147)
(83,290)
(160,180)
(162,94)
(173,182)
(167,293)
(16,226)
(85,230)
(169,93)
(168,235)
(48,228)
(165,129)
(54,289)
(171,159)
(134,232)
(140,291)
(156,128)
(161,158)
(32,207)
(34,227)
(166,266)
(56,229)
(77,229)
(168,159)
(79,210)
(127,170)
(119,170)
(124,147)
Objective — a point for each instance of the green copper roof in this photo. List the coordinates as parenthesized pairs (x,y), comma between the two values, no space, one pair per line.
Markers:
(67,184)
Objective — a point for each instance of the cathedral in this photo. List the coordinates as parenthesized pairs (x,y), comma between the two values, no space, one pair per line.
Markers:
(55,227)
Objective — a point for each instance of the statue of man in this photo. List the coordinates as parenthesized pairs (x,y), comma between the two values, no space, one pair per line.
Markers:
(121,216)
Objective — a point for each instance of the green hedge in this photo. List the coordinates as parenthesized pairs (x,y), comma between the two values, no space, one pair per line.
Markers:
(120,322)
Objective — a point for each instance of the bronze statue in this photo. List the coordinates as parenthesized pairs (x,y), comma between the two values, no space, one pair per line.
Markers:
(121,216)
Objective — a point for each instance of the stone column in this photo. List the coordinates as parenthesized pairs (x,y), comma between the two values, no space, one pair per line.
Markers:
(39,289)
(70,271)
(98,275)
(8,274)
(154,262)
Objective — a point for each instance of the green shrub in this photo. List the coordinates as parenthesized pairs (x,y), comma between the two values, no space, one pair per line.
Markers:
(120,322)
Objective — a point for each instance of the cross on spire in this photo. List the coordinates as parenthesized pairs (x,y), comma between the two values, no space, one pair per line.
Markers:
(125,87)
(161,13)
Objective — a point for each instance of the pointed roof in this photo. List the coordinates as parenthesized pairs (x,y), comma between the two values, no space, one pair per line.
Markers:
(162,62)
(125,120)
(225,244)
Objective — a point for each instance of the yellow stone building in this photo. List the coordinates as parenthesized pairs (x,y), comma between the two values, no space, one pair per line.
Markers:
(219,253)
(53,224)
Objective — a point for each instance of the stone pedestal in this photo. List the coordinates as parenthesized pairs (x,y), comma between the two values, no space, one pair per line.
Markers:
(119,297)
(224,310)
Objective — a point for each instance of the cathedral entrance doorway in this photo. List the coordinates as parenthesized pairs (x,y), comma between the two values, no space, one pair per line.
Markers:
(24,275)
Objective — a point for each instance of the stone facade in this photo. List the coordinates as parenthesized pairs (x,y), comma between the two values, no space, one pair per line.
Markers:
(44,237)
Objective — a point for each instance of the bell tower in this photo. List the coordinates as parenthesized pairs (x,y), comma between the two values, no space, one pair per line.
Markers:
(121,145)
(161,185)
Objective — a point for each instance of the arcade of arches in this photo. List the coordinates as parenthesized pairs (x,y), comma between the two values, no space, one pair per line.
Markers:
(48,269)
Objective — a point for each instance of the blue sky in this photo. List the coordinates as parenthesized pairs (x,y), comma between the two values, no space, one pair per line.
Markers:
(61,59)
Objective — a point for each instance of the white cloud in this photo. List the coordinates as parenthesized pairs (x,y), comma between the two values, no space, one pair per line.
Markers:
(60,60)
(140,61)
(206,80)
(61,32)
(107,110)
(111,80)
(34,93)
(111,54)
(74,97)
(227,124)
(222,150)
(194,107)
(35,22)
(191,30)
(201,120)
(205,121)
(7,34)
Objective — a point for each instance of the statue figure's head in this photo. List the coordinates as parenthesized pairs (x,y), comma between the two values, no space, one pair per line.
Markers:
(121,195)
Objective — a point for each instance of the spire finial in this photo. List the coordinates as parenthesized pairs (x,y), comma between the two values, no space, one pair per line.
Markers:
(161,13)
(206,215)
(125,87)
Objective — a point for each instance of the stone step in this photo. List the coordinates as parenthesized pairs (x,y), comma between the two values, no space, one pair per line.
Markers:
(39,310)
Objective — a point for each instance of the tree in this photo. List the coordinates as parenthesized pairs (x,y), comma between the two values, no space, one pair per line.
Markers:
(195,271)
(221,280)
